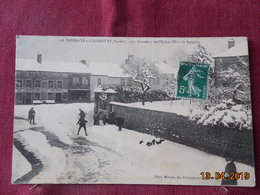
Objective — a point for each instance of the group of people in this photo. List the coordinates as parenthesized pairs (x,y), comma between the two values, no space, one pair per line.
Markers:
(103,117)
(111,119)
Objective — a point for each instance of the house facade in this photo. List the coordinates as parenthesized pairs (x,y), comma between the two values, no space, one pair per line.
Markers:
(79,87)
(34,85)
(50,81)
(107,75)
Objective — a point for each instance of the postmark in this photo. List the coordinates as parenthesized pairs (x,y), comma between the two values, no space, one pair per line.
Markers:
(192,80)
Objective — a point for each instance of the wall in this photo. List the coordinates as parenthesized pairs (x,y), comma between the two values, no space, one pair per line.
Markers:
(215,140)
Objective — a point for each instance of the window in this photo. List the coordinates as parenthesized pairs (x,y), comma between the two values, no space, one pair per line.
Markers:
(122,82)
(19,97)
(75,80)
(19,83)
(37,96)
(65,75)
(50,84)
(28,83)
(65,96)
(59,84)
(99,81)
(37,83)
(129,82)
(50,96)
(84,81)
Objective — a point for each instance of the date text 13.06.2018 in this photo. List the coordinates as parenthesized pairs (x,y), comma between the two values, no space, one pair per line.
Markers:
(223,175)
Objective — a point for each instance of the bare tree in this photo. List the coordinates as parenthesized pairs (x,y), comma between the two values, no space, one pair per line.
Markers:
(201,55)
(168,85)
(142,71)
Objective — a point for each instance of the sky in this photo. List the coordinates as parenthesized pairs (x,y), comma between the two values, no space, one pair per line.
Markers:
(115,49)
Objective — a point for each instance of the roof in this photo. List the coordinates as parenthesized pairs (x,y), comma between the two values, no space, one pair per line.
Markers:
(98,90)
(110,91)
(240,49)
(50,66)
(114,70)
(109,69)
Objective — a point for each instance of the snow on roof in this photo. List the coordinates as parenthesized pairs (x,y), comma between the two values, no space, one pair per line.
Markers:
(110,91)
(165,68)
(240,49)
(51,66)
(109,69)
(98,90)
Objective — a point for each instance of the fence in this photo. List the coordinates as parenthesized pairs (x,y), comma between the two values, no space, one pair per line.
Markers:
(216,140)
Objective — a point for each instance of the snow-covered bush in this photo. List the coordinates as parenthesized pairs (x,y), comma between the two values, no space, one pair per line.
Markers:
(226,114)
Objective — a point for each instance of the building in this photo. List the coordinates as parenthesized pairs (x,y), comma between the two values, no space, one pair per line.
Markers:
(107,75)
(39,81)
(224,62)
(42,81)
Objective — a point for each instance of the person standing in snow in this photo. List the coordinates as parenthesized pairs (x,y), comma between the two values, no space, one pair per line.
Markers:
(105,119)
(82,123)
(111,118)
(31,116)
(82,113)
(97,118)
(120,121)
(230,167)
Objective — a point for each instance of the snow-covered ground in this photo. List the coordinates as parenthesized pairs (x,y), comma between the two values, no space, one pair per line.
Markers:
(20,165)
(60,119)
(107,155)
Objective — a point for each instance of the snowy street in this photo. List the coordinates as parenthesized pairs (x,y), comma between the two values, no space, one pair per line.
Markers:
(106,155)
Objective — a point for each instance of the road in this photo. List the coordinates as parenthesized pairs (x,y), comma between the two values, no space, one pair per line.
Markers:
(86,161)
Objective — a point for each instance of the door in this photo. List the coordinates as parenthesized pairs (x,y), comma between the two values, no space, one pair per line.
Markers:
(28,98)
(58,97)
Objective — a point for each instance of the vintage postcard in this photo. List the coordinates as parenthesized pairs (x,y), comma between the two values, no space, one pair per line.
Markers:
(117,110)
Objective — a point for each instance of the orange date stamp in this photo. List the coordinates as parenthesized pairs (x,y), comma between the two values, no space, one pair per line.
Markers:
(225,176)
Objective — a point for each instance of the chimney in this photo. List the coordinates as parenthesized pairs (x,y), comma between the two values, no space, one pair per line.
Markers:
(130,59)
(84,62)
(231,43)
(39,58)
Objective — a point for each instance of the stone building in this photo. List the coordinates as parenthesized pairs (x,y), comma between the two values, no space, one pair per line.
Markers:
(107,75)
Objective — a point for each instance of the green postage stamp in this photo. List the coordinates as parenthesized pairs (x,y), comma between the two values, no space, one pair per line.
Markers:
(193,80)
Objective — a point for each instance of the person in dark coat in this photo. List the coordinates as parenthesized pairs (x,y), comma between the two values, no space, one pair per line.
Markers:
(82,123)
(111,118)
(31,115)
(120,121)
(230,167)
(82,113)
(105,119)
(96,118)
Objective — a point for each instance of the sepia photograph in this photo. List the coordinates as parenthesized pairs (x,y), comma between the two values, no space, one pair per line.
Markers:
(117,110)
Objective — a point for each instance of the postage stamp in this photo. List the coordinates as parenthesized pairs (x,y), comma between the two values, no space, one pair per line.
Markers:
(193,80)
